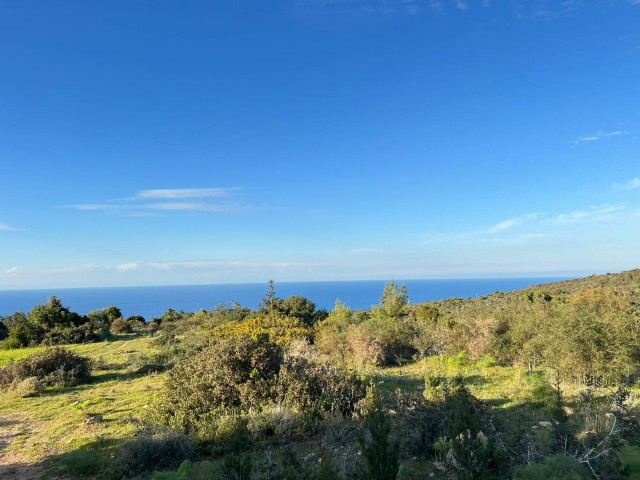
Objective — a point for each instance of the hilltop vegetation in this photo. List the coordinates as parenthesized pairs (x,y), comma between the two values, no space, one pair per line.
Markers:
(522,385)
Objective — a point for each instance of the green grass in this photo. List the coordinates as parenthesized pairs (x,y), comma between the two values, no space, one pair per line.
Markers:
(54,422)
(630,457)
(53,425)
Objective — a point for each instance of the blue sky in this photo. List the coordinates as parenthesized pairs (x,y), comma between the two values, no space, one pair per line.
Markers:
(161,142)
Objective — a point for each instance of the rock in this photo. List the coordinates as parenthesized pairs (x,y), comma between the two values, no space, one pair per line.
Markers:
(94,419)
(545,424)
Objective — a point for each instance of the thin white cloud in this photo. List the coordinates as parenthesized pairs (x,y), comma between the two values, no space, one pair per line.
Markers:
(511,222)
(460,5)
(160,202)
(207,265)
(14,270)
(183,193)
(4,227)
(600,135)
(196,207)
(631,184)
(594,213)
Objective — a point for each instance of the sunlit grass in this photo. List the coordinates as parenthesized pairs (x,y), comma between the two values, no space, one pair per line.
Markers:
(55,422)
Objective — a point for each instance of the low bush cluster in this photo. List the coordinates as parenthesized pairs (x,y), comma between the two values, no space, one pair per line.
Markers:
(238,375)
(54,367)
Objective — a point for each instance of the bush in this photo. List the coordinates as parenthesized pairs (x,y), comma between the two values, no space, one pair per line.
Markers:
(555,467)
(120,325)
(307,387)
(164,451)
(53,367)
(234,375)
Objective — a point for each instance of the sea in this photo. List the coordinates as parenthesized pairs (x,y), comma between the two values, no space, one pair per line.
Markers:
(153,301)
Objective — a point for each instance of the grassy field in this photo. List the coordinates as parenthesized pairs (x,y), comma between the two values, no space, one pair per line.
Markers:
(55,423)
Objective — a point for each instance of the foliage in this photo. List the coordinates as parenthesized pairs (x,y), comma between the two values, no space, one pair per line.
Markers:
(555,467)
(53,367)
(162,451)
(307,387)
(234,375)
(281,330)
(54,324)
(380,452)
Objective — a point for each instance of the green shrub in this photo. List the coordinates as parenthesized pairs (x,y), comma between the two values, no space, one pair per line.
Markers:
(307,387)
(120,325)
(53,367)
(237,467)
(181,474)
(555,467)
(234,375)
(164,451)
(380,452)
(147,363)
(228,434)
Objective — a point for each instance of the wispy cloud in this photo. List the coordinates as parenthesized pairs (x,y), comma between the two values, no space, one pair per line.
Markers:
(184,193)
(207,265)
(600,135)
(159,202)
(8,228)
(460,5)
(600,212)
(488,233)
(511,222)
(630,184)
(14,270)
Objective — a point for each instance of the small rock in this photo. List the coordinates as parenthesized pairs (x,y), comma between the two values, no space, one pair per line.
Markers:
(545,424)
(94,419)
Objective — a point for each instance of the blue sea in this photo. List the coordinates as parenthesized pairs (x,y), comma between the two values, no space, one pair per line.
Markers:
(153,301)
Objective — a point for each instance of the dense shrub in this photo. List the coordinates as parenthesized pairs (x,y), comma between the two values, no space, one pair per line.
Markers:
(555,467)
(77,334)
(53,367)
(307,387)
(241,374)
(280,329)
(163,451)
(234,375)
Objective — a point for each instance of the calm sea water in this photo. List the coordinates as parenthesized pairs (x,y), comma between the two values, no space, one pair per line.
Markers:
(153,301)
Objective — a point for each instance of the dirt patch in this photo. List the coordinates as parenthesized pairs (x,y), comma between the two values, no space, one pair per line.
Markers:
(13,465)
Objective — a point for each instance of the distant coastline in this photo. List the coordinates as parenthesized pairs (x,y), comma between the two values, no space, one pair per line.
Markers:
(152,301)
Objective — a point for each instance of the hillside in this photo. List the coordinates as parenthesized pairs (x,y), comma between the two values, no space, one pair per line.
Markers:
(467,388)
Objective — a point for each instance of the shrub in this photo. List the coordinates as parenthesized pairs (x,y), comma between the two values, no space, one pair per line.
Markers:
(53,367)
(555,467)
(228,434)
(163,451)
(381,454)
(307,387)
(234,375)
(120,325)
(280,329)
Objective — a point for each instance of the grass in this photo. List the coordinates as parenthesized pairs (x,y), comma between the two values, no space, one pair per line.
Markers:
(53,425)
(55,422)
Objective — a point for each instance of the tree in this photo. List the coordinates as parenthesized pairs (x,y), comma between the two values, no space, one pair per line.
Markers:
(394,302)
(54,314)
(267,302)
(380,452)
(295,306)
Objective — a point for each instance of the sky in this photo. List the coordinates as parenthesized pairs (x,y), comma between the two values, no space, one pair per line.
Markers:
(164,142)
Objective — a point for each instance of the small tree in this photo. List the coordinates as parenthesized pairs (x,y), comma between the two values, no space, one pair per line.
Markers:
(394,302)
(379,451)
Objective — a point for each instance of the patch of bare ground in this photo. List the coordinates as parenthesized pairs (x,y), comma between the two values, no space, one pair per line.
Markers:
(13,464)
